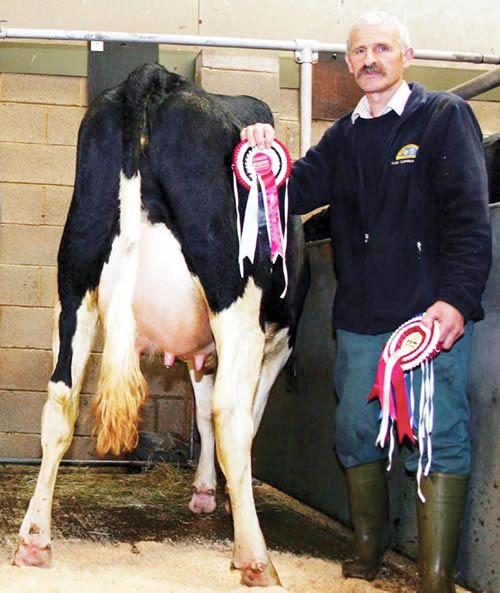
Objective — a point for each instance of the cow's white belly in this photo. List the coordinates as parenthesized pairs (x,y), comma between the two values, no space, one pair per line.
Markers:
(170,312)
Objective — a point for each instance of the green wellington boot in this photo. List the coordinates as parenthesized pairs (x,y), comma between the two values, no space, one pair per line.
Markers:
(368,503)
(438,521)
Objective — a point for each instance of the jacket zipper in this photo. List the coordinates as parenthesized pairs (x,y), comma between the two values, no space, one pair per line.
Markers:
(366,320)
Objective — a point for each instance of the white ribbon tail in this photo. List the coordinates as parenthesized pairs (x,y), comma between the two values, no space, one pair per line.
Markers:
(285,237)
(412,403)
(285,275)
(421,428)
(238,221)
(425,424)
(285,242)
(430,414)
(250,230)
(392,442)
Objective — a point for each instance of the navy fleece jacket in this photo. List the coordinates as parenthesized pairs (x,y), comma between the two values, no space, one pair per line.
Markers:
(427,239)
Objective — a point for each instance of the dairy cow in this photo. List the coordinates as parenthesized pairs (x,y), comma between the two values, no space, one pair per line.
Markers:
(150,247)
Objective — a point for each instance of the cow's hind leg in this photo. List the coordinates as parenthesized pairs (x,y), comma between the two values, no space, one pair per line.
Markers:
(240,346)
(205,481)
(276,353)
(75,326)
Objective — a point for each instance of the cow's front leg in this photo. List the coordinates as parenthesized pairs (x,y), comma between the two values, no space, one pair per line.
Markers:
(205,481)
(59,416)
(240,346)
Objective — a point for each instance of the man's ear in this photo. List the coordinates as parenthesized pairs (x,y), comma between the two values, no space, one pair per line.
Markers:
(408,57)
(349,65)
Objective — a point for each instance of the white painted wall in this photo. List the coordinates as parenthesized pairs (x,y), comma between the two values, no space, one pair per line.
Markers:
(434,24)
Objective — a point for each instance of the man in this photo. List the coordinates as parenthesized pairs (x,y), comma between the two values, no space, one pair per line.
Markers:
(405,178)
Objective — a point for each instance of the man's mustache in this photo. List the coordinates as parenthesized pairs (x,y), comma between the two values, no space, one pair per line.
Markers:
(371,69)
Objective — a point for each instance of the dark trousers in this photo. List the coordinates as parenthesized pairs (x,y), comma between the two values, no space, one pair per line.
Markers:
(358,421)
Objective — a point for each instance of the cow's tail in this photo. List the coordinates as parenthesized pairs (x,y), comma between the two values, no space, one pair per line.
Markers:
(145,84)
(122,388)
(116,407)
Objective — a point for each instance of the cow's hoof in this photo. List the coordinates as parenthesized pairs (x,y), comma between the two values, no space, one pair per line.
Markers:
(258,574)
(31,552)
(202,501)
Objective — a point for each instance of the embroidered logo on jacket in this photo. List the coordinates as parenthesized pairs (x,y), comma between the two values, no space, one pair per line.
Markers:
(406,154)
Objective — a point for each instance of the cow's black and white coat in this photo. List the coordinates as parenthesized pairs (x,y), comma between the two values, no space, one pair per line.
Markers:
(150,247)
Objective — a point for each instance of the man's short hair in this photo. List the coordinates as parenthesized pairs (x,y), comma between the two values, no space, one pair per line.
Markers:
(377,17)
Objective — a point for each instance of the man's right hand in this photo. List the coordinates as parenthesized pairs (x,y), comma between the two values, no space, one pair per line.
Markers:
(261,135)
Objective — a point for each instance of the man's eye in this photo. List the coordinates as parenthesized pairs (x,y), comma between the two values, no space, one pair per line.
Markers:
(359,51)
(383,48)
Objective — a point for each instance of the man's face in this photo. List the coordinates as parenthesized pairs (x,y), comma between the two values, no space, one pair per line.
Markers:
(376,59)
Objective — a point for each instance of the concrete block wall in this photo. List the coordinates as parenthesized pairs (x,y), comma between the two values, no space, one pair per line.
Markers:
(39,119)
(238,72)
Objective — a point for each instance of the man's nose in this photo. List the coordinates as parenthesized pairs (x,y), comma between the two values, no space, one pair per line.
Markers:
(369,57)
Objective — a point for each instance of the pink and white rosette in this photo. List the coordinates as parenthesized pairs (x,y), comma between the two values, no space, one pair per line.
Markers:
(264,169)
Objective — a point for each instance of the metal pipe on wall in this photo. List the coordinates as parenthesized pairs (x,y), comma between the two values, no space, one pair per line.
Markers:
(478,85)
(306,57)
(236,42)
(301,47)
(195,40)
(305,106)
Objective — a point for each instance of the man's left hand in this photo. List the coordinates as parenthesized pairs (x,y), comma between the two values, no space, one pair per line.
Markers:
(451,322)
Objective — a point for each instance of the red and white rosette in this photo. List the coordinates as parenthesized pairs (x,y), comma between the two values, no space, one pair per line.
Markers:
(412,345)
(264,169)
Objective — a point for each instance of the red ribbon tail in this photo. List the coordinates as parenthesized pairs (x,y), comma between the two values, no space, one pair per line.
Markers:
(401,400)
(378,385)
